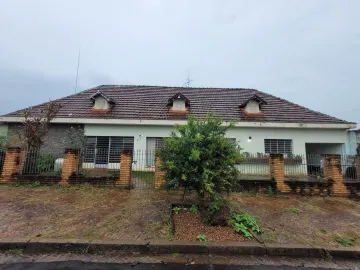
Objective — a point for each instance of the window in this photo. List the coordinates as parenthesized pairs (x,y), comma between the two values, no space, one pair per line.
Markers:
(278,146)
(179,105)
(152,143)
(102,150)
(100,103)
(252,107)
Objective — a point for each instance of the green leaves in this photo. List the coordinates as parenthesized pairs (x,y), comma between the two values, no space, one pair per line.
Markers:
(201,237)
(194,209)
(240,227)
(199,157)
(244,223)
(195,155)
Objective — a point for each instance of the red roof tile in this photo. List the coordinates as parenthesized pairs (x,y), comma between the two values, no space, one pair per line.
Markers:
(150,102)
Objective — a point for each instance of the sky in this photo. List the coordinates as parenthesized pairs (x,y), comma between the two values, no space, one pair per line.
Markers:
(305,51)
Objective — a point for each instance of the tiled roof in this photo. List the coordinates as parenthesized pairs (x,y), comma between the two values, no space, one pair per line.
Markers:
(150,102)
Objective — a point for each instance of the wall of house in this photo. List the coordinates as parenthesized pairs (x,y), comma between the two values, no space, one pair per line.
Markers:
(299,137)
(55,141)
(3,129)
(351,143)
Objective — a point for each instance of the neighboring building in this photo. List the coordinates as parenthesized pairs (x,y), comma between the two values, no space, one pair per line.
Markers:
(140,117)
(357,132)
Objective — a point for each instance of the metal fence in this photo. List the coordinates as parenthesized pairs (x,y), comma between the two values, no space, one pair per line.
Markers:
(95,163)
(254,166)
(348,166)
(303,166)
(44,162)
(143,170)
(2,159)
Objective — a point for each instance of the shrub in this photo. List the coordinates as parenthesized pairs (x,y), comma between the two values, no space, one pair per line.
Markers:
(245,223)
(194,209)
(201,237)
(45,163)
(198,156)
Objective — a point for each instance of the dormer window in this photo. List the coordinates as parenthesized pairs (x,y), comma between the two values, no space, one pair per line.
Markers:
(178,103)
(101,101)
(253,105)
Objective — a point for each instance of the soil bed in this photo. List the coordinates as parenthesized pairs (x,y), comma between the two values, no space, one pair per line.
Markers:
(188,226)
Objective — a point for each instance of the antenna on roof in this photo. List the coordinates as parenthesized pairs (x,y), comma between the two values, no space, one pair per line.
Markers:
(77,72)
(188,81)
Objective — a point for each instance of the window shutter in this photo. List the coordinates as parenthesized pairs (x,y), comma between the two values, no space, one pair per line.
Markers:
(278,146)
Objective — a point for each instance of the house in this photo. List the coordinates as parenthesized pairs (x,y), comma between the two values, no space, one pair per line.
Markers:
(352,146)
(117,117)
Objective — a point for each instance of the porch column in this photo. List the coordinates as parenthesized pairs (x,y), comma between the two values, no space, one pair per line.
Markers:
(277,172)
(357,166)
(159,174)
(125,168)
(333,172)
(70,165)
(11,164)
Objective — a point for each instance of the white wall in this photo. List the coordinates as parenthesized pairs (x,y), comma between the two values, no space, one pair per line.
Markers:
(298,136)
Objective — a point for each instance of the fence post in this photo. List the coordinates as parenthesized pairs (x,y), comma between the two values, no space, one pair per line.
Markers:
(333,172)
(11,164)
(357,166)
(277,172)
(125,168)
(159,174)
(70,165)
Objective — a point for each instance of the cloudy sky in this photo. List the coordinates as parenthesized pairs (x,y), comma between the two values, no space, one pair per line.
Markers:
(305,51)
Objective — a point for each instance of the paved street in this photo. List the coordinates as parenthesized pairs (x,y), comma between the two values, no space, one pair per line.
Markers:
(173,261)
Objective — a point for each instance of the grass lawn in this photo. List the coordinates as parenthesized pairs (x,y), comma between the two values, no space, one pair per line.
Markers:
(147,176)
(88,212)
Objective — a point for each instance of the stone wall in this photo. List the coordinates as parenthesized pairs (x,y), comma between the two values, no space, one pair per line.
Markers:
(57,139)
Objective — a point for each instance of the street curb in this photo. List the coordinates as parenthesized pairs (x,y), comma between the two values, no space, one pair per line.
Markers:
(170,247)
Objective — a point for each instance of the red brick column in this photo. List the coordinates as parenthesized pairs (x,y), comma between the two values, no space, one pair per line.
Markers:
(22,159)
(125,169)
(333,172)
(277,172)
(70,165)
(159,174)
(11,164)
(357,166)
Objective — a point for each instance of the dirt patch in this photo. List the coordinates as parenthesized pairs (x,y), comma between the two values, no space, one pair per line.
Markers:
(88,212)
(313,221)
(188,226)
(84,212)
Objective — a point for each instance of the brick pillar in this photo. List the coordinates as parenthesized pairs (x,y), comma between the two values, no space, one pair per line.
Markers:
(70,165)
(22,159)
(277,172)
(11,164)
(125,169)
(159,174)
(333,172)
(357,166)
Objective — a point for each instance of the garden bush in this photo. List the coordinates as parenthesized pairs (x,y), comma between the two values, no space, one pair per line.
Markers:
(198,157)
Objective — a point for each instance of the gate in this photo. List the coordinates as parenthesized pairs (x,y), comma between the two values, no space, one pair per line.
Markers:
(143,170)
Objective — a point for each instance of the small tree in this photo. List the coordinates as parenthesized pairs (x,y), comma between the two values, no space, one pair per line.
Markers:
(35,127)
(199,157)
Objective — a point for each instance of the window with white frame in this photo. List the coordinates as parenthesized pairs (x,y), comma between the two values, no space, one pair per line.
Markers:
(278,146)
(152,144)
